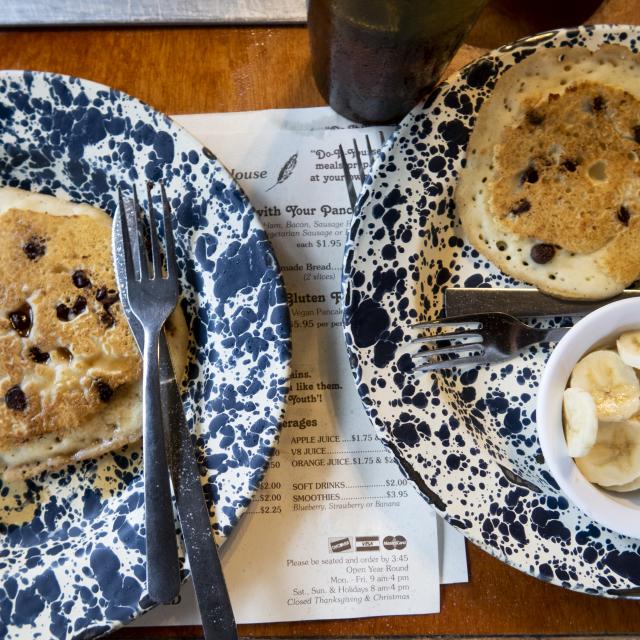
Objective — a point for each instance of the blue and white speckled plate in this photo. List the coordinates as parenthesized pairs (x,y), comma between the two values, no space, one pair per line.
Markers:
(467,440)
(72,543)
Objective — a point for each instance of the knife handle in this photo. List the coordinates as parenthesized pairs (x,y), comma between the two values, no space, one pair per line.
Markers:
(208,580)
(522,303)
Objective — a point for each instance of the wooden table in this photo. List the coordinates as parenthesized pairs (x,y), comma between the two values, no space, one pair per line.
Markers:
(191,70)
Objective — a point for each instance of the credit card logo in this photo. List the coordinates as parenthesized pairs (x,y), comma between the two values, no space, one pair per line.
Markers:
(367,543)
(340,545)
(394,543)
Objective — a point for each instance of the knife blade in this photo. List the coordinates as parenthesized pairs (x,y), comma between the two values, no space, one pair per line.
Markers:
(206,570)
(520,302)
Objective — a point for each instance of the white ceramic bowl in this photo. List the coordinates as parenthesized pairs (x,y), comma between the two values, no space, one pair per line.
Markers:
(617,511)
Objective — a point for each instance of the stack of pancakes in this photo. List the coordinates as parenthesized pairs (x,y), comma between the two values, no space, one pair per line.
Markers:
(69,368)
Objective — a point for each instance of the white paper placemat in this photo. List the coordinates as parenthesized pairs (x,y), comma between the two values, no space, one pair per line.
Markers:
(335,531)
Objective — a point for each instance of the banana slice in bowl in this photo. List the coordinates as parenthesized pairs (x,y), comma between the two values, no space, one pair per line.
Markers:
(614,459)
(580,421)
(612,384)
(625,488)
(588,415)
(628,345)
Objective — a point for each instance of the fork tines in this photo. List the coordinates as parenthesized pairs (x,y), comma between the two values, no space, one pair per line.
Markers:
(454,344)
(353,194)
(136,252)
(478,338)
(351,190)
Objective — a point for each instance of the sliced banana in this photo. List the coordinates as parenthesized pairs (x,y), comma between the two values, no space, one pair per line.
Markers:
(625,488)
(580,421)
(629,348)
(613,384)
(614,459)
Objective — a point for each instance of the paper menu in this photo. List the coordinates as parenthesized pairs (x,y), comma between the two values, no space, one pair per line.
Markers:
(335,530)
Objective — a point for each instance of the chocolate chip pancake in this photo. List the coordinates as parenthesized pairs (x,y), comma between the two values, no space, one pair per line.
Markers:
(551,189)
(69,367)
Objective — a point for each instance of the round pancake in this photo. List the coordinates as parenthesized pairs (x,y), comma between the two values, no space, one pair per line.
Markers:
(551,188)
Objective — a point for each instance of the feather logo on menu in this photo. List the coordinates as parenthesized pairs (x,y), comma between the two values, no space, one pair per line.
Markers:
(286,171)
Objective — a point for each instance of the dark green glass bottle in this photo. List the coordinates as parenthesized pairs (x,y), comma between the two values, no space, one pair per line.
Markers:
(373,59)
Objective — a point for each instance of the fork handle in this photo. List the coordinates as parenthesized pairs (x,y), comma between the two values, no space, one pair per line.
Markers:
(555,334)
(163,568)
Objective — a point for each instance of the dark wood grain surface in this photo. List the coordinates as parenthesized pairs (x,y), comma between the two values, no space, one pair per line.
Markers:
(192,70)
(178,70)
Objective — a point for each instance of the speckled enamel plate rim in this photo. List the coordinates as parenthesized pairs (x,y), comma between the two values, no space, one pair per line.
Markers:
(363,369)
(278,365)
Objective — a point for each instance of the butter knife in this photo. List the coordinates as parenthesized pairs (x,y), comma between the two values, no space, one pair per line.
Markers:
(206,571)
(522,303)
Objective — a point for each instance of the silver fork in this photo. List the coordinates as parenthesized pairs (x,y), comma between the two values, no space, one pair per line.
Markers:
(152,298)
(211,592)
(481,338)
(353,194)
